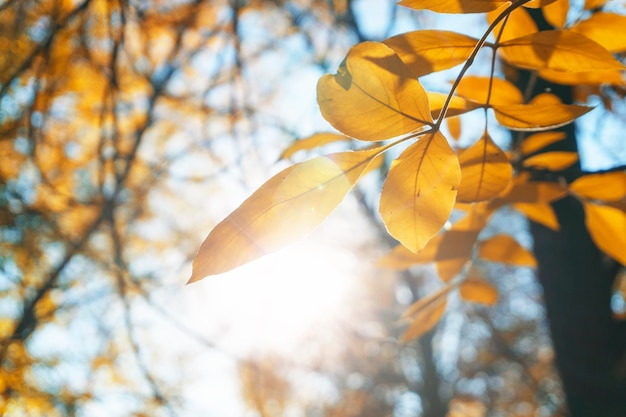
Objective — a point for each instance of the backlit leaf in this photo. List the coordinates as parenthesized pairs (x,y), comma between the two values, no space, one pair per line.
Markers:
(425,314)
(593,4)
(454,127)
(475,289)
(607,227)
(477,89)
(427,51)
(607,29)
(609,186)
(560,50)
(536,117)
(312,142)
(553,161)
(578,78)
(454,6)
(538,141)
(419,192)
(283,210)
(518,24)
(485,171)
(373,96)
(504,249)
(458,105)
(523,191)
(541,213)
(536,4)
(556,13)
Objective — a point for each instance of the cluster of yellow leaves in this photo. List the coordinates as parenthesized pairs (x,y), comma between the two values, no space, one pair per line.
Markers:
(376,96)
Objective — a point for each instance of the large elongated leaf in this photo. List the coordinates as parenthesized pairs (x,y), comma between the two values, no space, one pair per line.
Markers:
(608,186)
(283,210)
(607,227)
(477,290)
(613,77)
(506,250)
(426,313)
(374,95)
(420,190)
(538,116)
(560,50)
(552,161)
(486,171)
(427,51)
(312,142)
(518,24)
(478,89)
(454,6)
(541,213)
(538,141)
(605,28)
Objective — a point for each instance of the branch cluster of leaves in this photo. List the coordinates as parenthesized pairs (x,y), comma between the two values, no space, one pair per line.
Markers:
(376,97)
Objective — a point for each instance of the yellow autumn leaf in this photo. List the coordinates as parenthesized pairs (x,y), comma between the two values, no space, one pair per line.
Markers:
(312,142)
(519,23)
(457,106)
(454,6)
(560,50)
(538,141)
(556,13)
(613,77)
(552,161)
(373,96)
(454,127)
(485,171)
(538,116)
(475,289)
(427,51)
(425,314)
(593,4)
(523,191)
(605,28)
(607,227)
(541,213)
(283,210)
(420,190)
(499,91)
(609,186)
(536,4)
(504,249)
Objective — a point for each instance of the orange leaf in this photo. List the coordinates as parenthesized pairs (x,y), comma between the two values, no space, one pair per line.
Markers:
(477,89)
(426,313)
(559,50)
(538,141)
(457,105)
(609,186)
(552,161)
(556,13)
(454,6)
(283,210)
(427,51)
(535,117)
(373,96)
(454,127)
(607,227)
(612,77)
(312,142)
(504,249)
(607,29)
(485,171)
(477,290)
(518,24)
(541,213)
(533,192)
(594,4)
(419,192)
